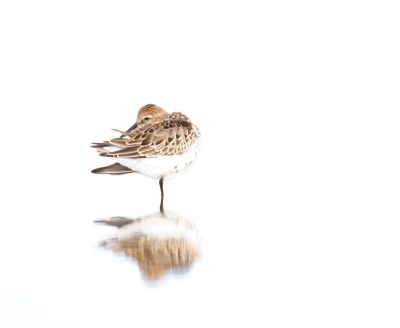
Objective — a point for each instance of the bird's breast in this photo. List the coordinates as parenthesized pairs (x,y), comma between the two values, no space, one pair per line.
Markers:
(168,167)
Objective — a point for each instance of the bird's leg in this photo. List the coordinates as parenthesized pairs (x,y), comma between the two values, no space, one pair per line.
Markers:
(162,194)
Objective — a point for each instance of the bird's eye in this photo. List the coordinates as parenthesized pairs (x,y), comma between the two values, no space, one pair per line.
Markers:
(146,118)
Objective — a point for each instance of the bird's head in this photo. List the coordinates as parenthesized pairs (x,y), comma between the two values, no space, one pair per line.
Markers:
(150,114)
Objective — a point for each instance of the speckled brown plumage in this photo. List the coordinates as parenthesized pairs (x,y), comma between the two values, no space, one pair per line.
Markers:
(173,135)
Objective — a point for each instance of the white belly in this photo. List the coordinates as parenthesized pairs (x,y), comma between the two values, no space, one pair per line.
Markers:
(168,167)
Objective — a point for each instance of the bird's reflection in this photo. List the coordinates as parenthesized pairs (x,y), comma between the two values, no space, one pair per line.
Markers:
(160,243)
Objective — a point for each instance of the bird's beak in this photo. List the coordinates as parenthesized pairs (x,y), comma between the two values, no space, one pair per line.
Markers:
(133,127)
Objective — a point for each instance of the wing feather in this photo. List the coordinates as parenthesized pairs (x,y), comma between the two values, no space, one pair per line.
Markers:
(170,137)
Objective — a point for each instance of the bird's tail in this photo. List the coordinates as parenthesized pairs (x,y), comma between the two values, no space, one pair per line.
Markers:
(113,169)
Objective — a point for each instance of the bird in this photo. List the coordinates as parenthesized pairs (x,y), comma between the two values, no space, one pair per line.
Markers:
(159,145)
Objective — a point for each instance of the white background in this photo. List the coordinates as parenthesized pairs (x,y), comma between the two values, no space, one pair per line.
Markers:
(296,194)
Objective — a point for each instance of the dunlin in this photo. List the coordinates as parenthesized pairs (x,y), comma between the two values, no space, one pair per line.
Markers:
(159,145)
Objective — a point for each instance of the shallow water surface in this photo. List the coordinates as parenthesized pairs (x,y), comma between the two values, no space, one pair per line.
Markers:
(90,257)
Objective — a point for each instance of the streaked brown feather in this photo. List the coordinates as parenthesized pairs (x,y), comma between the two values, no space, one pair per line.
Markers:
(172,136)
(100,145)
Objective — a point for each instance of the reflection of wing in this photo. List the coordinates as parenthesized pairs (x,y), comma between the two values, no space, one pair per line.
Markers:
(170,137)
(116,221)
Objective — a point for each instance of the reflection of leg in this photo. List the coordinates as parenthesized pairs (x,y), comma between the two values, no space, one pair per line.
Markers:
(162,194)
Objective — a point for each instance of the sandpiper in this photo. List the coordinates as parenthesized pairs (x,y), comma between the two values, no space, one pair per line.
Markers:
(159,145)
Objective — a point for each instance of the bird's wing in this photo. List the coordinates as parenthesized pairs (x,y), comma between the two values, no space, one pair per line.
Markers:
(166,138)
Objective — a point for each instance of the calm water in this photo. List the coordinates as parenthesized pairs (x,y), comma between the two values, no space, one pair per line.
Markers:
(242,249)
